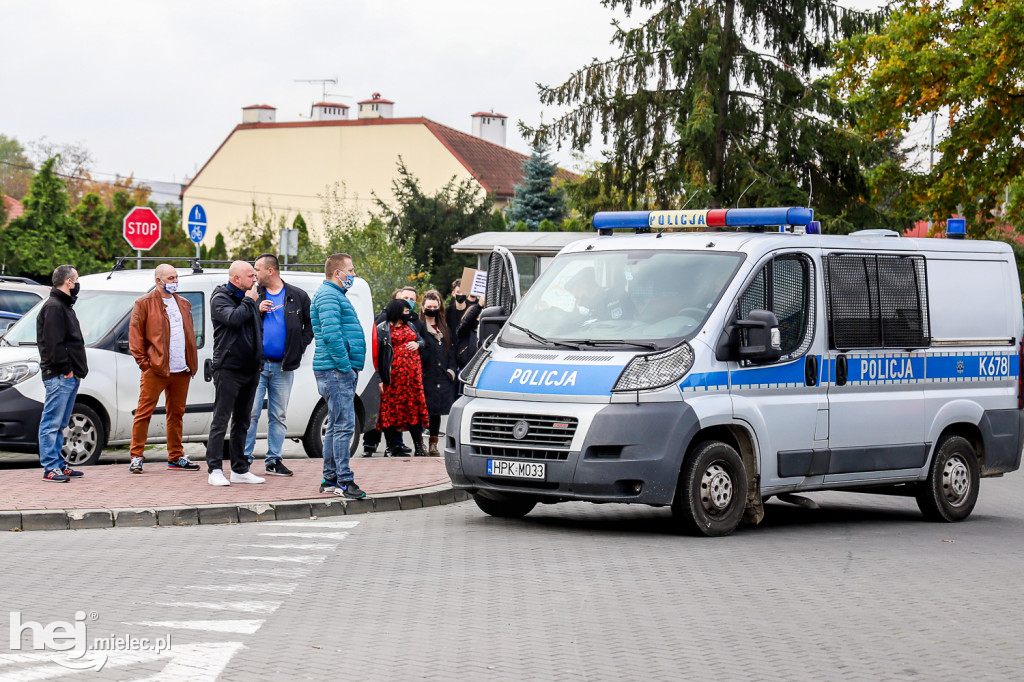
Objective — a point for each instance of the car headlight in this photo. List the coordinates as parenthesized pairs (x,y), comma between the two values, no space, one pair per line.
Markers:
(471,372)
(17,372)
(655,370)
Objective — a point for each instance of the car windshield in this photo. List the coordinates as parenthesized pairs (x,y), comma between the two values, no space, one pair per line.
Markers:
(97,312)
(613,298)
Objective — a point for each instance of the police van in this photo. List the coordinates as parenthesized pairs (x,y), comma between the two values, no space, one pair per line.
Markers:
(105,406)
(750,357)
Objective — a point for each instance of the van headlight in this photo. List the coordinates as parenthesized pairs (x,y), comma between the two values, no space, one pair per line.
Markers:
(655,370)
(471,372)
(16,372)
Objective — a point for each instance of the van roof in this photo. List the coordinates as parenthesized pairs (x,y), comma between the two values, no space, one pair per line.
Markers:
(142,281)
(759,243)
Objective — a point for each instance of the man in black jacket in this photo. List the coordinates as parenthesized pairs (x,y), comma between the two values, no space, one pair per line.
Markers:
(237,362)
(287,331)
(63,365)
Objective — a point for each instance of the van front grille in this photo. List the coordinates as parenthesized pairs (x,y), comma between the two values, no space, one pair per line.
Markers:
(522,453)
(523,431)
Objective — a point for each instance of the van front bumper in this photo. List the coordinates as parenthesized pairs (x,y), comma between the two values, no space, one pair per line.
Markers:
(631,453)
(19,421)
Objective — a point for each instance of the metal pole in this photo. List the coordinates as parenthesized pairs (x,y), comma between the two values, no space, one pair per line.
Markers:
(931,160)
(138,256)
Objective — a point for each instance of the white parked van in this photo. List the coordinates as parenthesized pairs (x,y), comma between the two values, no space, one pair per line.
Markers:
(711,370)
(105,406)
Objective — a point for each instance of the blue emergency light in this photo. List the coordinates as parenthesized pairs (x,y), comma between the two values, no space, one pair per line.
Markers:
(645,221)
(956,228)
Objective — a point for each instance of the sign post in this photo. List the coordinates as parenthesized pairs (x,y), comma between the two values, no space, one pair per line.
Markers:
(289,243)
(197,225)
(141,229)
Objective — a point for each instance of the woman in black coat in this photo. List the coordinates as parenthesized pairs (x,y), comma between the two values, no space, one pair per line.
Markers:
(439,366)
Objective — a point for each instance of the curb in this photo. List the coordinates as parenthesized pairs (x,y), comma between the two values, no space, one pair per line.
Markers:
(218,514)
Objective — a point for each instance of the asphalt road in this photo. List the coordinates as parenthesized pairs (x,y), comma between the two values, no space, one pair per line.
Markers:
(862,588)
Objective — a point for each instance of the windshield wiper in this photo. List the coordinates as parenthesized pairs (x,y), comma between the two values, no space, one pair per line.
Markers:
(613,342)
(540,339)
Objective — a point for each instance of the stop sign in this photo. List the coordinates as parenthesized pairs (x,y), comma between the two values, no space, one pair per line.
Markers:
(142,228)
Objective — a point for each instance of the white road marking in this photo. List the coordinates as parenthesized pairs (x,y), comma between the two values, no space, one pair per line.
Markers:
(313,524)
(325,536)
(280,572)
(283,559)
(283,588)
(240,627)
(202,662)
(325,547)
(243,606)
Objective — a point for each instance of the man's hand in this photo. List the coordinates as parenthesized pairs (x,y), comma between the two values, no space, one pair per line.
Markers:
(252,293)
(69,375)
(265,305)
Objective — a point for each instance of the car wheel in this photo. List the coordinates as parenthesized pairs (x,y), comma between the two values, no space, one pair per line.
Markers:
(951,490)
(504,506)
(712,490)
(84,437)
(313,441)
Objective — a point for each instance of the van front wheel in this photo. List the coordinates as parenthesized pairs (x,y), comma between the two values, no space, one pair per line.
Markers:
(313,439)
(504,506)
(951,490)
(712,490)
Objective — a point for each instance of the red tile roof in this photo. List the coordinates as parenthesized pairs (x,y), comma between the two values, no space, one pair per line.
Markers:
(14,208)
(331,104)
(259,106)
(488,113)
(376,98)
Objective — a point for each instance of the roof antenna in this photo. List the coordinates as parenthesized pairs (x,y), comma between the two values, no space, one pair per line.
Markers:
(684,206)
(744,192)
(810,183)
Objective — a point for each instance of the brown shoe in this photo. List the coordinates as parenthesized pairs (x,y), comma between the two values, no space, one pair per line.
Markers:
(433,447)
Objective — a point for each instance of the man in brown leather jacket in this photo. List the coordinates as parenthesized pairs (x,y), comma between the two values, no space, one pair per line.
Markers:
(163,342)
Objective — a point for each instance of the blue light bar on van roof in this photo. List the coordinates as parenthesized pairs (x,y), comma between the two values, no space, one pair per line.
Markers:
(702,219)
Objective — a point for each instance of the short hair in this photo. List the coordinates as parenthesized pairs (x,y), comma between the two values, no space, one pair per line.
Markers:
(334,263)
(457,283)
(61,274)
(271,260)
(412,289)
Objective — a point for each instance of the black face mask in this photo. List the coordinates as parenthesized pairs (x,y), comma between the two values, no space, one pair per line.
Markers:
(461,298)
(75,289)
(429,312)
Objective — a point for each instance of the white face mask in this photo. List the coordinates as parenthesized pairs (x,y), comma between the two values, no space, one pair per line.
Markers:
(170,287)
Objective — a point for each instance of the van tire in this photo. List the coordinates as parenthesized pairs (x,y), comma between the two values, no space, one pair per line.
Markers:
(951,490)
(85,437)
(712,490)
(313,440)
(504,506)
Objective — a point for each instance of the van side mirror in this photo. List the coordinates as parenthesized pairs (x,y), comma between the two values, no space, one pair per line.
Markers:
(492,319)
(764,341)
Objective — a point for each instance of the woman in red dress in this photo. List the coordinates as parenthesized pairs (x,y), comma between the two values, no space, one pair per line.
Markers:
(396,356)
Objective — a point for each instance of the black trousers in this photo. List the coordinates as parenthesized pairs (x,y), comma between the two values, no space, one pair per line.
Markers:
(234,393)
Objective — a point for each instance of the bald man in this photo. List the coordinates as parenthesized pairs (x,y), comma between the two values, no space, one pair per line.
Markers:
(237,363)
(163,343)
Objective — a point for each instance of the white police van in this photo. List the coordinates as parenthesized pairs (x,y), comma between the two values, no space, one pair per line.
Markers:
(711,370)
(105,407)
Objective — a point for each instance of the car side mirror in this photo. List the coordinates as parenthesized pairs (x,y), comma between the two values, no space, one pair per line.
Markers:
(492,319)
(763,339)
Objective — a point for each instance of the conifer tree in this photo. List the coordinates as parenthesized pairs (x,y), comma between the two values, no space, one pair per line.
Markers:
(536,198)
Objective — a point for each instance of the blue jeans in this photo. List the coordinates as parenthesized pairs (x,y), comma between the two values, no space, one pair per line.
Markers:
(57,408)
(339,389)
(276,384)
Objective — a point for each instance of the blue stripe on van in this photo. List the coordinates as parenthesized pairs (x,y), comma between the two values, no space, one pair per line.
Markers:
(521,377)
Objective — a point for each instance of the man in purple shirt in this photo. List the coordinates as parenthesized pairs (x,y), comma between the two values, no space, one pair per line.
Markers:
(287,331)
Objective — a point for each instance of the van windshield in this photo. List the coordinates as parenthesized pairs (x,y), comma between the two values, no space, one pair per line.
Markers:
(622,297)
(97,312)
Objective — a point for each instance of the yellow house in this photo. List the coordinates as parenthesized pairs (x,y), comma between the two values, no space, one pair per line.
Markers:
(290,166)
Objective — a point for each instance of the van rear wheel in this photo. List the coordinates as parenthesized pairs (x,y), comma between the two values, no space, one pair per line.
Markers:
(951,490)
(504,506)
(712,490)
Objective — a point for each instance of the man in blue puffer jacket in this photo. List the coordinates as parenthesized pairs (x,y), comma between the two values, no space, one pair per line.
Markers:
(340,354)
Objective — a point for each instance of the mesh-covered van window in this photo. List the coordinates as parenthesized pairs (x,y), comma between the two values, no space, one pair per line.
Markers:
(877,301)
(785,287)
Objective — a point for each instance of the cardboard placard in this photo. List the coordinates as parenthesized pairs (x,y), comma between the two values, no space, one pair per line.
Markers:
(474,282)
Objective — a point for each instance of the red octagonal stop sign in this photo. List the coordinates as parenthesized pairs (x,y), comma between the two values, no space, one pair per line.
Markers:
(142,228)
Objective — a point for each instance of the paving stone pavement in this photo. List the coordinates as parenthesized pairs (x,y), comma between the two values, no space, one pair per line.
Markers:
(862,588)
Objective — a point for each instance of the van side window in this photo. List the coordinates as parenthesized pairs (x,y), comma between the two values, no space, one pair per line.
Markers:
(784,286)
(877,301)
(195,299)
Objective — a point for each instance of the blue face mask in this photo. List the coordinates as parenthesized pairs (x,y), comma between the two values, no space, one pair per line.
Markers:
(411,304)
(346,280)
(170,287)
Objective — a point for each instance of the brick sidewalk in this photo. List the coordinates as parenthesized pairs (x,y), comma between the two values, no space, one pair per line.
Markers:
(111,486)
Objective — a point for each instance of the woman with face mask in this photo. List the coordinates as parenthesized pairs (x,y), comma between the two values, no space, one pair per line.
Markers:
(462,322)
(396,356)
(439,366)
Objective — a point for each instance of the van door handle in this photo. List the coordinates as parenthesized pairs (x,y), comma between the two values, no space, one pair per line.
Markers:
(841,370)
(811,370)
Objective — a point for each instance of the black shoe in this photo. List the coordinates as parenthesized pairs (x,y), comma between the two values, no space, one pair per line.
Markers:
(368,452)
(278,469)
(328,486)
(350,490)
(419,452)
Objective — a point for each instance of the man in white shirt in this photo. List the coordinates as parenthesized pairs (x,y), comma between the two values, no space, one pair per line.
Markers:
(163,342)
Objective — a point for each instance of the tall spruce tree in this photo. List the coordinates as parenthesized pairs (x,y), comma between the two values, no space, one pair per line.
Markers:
(537,199)
(713,100)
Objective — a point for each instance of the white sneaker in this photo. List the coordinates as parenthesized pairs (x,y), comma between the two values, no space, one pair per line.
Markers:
(217,478)
(247,477)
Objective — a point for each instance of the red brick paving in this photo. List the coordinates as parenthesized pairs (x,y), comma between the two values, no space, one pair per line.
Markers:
(110,486)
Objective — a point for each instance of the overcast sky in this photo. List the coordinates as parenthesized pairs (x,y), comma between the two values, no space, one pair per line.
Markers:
(152,87)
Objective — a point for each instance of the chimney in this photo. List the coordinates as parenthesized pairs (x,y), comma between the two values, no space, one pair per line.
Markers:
(376,107)
(328,111)
(490,126)
(259,113)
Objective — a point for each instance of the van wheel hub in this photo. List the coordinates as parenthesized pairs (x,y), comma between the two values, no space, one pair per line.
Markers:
(956,480)
(716,488)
